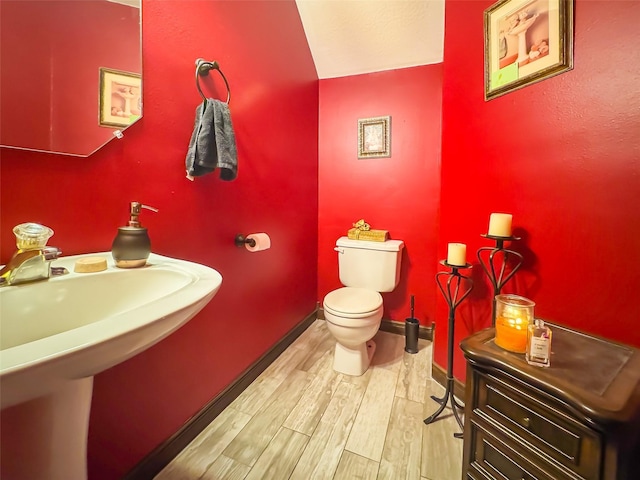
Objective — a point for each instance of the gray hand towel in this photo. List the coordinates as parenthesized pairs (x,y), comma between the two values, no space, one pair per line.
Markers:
(213,142)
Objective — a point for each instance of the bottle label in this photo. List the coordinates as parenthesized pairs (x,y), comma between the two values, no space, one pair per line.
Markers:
(539,348)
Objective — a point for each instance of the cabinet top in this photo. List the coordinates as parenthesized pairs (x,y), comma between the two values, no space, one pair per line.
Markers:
(598,377)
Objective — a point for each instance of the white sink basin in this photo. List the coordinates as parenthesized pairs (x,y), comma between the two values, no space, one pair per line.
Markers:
(80,324)
(56,334)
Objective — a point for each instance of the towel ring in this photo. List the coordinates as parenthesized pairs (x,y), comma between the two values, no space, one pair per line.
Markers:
(202,68)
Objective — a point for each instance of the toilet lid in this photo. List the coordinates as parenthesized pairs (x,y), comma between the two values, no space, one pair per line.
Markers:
(353,300)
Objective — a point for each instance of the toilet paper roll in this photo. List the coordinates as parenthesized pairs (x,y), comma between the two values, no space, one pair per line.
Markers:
(262,242)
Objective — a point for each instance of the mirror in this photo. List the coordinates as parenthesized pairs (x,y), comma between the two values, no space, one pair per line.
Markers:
(70,73)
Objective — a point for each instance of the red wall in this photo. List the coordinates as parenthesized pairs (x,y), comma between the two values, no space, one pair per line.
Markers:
(400,193)
(66,43)
(142,402)
(563,156)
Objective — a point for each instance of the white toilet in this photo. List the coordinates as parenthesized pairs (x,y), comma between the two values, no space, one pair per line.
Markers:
(353,313)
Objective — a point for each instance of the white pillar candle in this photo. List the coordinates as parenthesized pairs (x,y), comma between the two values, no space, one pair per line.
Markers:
(500,224)
(457,254)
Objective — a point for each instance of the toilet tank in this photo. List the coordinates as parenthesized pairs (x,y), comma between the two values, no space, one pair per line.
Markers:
(372,265)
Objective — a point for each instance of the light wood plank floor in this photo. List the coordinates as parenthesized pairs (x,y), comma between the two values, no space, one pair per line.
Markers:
(301,420)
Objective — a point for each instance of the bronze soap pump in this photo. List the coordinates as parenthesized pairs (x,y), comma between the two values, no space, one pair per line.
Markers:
(132,246)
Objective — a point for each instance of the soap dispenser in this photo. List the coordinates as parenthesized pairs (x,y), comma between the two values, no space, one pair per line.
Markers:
(132,245)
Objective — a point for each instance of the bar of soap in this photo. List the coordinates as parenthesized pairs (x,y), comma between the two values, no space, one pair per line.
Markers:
(90,264)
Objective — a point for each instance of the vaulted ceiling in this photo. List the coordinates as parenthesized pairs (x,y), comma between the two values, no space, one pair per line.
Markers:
(351,37)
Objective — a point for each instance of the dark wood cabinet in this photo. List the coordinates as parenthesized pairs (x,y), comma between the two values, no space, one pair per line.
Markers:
(578,419)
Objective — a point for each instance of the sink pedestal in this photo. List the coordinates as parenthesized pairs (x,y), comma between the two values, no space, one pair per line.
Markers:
(46,438)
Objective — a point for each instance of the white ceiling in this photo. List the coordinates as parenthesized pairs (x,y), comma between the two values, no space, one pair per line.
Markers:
(128,3)
(350,37)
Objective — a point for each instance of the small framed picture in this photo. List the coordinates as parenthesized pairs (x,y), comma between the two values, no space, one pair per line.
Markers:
(526,41)
(374,137)
(120,97)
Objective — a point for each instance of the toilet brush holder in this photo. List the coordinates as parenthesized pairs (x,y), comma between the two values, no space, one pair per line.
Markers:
(411,327)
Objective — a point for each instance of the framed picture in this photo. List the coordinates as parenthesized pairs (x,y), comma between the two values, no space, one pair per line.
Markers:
(120,97)
(526,41)
(374,137)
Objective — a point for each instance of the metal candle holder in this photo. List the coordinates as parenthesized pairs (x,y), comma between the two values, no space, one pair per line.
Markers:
(498,280)
(453,296)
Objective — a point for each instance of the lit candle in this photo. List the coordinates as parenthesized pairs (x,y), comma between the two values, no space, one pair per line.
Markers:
(500,224)
(457,254)
(511,334)
(513,315)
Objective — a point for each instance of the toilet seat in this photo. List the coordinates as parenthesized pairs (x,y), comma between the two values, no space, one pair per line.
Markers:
(352,302)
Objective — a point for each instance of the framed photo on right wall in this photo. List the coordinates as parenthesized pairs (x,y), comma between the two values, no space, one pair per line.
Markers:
(526,41)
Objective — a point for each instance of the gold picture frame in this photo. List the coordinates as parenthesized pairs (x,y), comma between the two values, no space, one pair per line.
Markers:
(374,137)
(120,97)
(526,41)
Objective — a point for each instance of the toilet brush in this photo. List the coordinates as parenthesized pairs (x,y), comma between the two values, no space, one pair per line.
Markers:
(411,326)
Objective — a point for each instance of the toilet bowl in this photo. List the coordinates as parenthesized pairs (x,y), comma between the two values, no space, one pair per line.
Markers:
(353,317)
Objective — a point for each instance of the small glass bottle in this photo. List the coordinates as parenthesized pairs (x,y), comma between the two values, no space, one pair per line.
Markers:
(538,344)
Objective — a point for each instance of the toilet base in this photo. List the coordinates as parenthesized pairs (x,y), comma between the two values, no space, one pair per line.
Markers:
(353,361)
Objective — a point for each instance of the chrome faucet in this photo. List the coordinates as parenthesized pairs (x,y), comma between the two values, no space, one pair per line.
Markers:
(28,266)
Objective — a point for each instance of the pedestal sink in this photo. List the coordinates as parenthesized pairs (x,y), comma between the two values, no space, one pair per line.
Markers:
(520,31)
(57,334)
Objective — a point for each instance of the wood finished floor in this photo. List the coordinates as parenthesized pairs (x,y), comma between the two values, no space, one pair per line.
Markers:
(301,420)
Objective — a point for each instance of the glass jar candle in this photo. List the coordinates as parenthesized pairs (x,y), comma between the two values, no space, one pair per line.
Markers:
(513,316)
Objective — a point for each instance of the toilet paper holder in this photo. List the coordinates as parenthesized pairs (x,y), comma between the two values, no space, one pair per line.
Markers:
(241,241)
